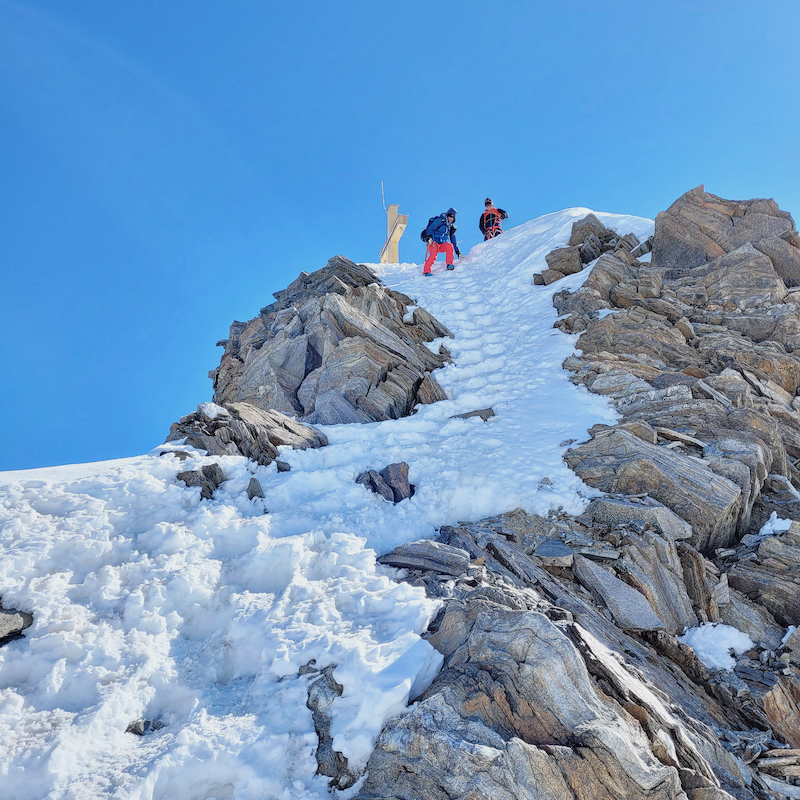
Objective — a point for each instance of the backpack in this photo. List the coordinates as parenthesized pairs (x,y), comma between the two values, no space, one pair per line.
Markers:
(424,234)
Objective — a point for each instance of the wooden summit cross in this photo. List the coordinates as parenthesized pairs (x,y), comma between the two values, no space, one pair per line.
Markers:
(395,225)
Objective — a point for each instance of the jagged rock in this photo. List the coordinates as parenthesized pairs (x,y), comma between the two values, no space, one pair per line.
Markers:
(784,256)
(242,429)
(12,623)
(566,260)
(209,478)
(484,413)
(515,711)
(254,489)
(549,276)
(335,347)
(181,455)
(553,553)
(322,691)
(772,577)
(391,482)
(782,708)
(740,280)
(591,248)
(373,481)
(428,555)
(699,227)
(143,726)
(619,462)
(615,510)
(630,609)
(651,564)
(586,227)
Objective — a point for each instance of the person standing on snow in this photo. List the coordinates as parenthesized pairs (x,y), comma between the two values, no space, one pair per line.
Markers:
(439,230)
(491,219)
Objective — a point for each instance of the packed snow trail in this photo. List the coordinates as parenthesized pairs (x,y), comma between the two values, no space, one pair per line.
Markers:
(149,603)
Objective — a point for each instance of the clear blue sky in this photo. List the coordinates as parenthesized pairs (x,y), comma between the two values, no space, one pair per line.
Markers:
(166,165)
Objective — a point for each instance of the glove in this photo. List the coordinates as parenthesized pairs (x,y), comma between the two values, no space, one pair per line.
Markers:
(458,254)
(430,239)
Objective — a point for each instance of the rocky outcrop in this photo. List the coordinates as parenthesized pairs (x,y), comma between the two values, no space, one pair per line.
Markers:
(209,478)
(699,227)
(391,482)
(701,359)
(562,675)
(241,429)
(13,623)
(567,682)
(335,347)
(589,240)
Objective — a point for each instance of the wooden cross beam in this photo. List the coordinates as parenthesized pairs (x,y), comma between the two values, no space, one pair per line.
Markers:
(395,225)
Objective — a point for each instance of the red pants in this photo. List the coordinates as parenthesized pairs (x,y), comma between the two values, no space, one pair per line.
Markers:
(433,250)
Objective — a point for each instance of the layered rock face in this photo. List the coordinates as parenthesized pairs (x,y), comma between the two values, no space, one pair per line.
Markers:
(242,429)
(563,675)
(699,351)
(335,347)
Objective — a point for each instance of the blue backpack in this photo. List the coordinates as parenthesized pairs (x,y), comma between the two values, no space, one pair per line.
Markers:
(424,234)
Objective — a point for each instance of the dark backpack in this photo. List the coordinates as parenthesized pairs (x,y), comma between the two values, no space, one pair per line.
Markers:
(424,234)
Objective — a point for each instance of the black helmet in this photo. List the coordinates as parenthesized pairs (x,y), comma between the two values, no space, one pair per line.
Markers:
(451,212)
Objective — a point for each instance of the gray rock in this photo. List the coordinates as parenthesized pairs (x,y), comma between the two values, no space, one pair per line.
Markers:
(699,227)
(752,619)
(396,478)
(209,478)
(144,726)
(630,609)
(742,279)
(322,691)
(587,227)
(334,348)
(616,511)
(484,413)
(784,257)
(254,489)
(651,563)
(554,553)
(620,463)
(551,276)
(566,260)
(242,429)
(428,555)
(515,715)
(373,481)
(391,482)
(13,623)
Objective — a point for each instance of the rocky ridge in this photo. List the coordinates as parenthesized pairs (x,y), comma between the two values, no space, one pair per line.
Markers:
(336,347)
(563,676)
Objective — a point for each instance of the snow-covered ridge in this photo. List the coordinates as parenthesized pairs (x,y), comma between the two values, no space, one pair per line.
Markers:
(150,604)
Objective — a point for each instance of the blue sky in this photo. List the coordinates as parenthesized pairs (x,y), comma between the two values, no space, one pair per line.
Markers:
(166,165)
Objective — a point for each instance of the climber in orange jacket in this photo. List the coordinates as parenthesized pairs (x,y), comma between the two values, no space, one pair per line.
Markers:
(491,220)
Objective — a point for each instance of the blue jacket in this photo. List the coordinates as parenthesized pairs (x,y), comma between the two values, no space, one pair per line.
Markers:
(441,231)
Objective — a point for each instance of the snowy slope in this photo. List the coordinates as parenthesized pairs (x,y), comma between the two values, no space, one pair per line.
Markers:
(151,604)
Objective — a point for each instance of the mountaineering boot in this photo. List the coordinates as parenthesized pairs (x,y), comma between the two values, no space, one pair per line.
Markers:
(428,274)
(451,266)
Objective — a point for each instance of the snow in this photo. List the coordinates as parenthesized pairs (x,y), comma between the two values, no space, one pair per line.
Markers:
(149,603)
(713,643)
(774,525)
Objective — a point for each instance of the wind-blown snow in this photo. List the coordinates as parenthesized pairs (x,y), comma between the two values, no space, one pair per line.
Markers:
(149,603)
